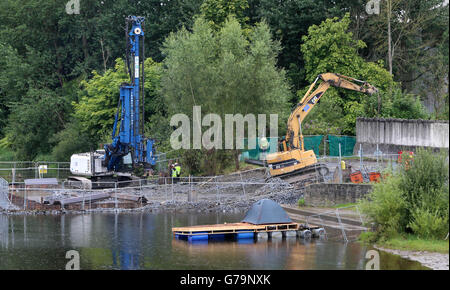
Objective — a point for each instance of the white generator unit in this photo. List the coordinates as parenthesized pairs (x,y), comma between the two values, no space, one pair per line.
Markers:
(88,164)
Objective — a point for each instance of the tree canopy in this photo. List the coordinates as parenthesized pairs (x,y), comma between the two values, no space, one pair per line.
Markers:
(331,47)
(59,75)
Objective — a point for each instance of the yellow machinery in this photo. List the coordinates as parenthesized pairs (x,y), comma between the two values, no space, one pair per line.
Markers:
(293,159)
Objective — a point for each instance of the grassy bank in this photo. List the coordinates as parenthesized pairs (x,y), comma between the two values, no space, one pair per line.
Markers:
(408,243)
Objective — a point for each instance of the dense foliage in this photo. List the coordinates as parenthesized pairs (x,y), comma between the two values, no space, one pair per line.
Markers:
(59,76)
(413,200)
(224,72)
(331,47)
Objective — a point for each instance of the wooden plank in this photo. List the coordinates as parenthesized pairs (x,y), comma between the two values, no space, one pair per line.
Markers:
(241,227)
(219,227)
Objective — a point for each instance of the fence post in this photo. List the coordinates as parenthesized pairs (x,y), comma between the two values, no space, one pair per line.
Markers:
(190,186)
(25,198)
(165,187)
(378,153)
(14,174)
(115,193)
(342,226)
(360,217)
(360,157)
(217,191)
(340,164)
(172,188)
(243,186)
(84,190)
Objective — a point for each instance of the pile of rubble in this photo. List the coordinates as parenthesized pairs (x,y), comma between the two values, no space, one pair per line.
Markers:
(231,197)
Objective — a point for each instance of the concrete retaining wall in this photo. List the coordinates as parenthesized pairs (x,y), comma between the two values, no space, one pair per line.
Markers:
(330,194)
(393,135)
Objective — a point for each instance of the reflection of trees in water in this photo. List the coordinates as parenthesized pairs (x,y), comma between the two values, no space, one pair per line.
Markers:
(340,255)
(80,230)
(144,241)
(275,253)
(127,242)
(4,231)
(302,254)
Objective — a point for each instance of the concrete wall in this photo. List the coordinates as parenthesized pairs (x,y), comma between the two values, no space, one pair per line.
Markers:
(393,135)
(329,194)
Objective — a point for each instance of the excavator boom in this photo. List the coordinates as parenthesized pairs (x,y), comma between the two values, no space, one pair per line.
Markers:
(293,157)
(309,100)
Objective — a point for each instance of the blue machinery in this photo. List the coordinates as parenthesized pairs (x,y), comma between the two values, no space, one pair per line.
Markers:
(130,139)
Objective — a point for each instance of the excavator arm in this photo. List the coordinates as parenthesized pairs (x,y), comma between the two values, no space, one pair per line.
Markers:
(294,136)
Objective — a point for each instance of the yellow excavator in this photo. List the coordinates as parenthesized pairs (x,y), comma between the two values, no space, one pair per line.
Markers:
(293,162)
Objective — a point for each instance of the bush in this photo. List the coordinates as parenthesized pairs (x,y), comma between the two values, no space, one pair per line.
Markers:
(414,200)
(428,224)
(72,140)
(301,202)
(425,183)
(386,207)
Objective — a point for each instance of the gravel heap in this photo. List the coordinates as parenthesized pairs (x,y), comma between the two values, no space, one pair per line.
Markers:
(277,190)
(228,195)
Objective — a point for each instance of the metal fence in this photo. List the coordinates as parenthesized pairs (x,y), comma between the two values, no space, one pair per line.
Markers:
(240,186)
(5,203)
(18,171)
(218,189)
(381,163)
(336,224)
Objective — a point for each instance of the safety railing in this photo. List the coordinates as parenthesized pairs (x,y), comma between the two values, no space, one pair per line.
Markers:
(213,189)
(344,223)
(5,203)
(18,171)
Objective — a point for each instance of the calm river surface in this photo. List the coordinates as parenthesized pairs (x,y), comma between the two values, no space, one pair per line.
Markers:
(144,241)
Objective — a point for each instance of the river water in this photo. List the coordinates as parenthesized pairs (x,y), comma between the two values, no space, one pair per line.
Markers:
(145,241)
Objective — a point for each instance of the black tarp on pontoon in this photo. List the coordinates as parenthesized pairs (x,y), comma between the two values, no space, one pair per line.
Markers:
(266,211)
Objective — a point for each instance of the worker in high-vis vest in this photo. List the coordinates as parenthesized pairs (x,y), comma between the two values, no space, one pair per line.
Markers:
(177,170)
(173,172)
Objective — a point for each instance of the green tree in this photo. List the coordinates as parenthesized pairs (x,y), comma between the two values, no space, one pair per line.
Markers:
(217,11)
(331,47)
(289,20)
(33,122)
(405,34)
(224,72)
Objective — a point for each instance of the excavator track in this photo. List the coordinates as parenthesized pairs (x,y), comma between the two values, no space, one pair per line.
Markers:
(309,174)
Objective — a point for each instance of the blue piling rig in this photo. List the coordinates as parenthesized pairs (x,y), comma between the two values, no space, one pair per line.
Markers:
(130,110)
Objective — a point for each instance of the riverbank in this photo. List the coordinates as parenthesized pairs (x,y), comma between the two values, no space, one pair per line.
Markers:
(433,254)
(435,261)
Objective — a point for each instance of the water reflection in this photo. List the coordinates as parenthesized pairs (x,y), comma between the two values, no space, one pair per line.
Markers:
(145,241)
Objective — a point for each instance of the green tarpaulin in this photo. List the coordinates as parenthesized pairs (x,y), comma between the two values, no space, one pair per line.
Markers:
(347,145)
(313,143)
(256,152)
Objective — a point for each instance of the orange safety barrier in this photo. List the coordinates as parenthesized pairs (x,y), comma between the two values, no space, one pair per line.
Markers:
(375,176)
(356,177)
